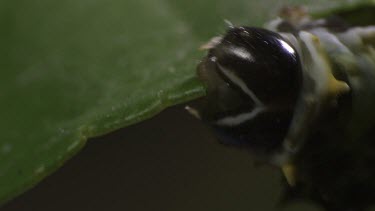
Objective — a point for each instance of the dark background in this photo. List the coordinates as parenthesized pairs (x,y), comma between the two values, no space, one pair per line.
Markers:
(170,162)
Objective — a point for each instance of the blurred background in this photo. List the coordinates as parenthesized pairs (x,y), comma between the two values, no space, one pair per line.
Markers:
(171,162)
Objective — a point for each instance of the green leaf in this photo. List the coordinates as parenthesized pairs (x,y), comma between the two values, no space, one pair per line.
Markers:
(76,69)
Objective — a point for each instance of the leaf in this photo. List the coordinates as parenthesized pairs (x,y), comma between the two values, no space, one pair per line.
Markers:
(76,69)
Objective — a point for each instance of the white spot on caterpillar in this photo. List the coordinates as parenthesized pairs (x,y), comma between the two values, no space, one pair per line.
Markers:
(193,112)
(320,68)
(274,24)
(211,44)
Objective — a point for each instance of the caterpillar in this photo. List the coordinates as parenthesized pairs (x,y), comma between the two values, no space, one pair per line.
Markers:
(296,82)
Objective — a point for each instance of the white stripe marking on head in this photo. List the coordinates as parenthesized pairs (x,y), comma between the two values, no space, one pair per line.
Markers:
(242,53)
(236,120)
(239,82)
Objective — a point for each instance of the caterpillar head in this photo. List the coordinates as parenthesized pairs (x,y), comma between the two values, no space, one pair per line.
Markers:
(253,78)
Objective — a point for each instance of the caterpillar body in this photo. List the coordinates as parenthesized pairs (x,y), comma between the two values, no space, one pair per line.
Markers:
(276,90)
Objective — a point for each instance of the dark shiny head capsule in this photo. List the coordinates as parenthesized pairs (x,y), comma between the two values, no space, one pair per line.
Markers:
(253,77)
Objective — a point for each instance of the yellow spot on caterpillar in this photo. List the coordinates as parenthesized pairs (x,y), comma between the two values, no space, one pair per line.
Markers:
(336,87)
(289,171)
